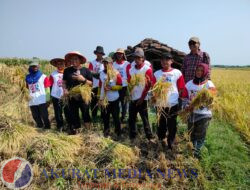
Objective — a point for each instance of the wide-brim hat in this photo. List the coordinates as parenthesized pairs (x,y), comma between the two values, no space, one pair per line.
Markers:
(99,49)
(120,50)
(70,54)
(55,61)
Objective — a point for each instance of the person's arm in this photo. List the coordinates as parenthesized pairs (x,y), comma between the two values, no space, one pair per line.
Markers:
(127,71)
(209,64)
(51,80)
(118,85)
(183,68)
(84,80)
(149,78)
(181,87)
(47,88)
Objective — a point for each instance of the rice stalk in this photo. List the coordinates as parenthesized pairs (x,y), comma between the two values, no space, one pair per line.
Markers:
(136,80)
(204,98)
(79,91)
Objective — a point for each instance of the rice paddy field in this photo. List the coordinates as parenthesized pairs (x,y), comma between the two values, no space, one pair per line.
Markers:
(225,162)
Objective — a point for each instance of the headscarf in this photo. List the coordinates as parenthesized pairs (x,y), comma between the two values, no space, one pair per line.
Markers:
(204,75)
(33,76)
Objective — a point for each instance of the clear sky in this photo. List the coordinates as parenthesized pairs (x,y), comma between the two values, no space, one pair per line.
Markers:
(50,28)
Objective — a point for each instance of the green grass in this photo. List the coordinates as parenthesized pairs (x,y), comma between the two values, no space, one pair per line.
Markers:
(225,158)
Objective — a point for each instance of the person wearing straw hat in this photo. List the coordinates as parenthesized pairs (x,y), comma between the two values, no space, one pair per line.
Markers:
(121,65)
(57,90)
(73,76)
(109,89)
(39,91)
(139,96)
(96,67)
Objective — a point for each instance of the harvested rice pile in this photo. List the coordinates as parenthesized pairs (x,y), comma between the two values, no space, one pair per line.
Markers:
(14,136)
(54,150)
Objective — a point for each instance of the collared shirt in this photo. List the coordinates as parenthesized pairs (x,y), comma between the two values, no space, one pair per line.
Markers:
(190,63)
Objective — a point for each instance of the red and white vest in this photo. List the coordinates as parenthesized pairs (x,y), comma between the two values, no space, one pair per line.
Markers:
(138,90)
(96,67)
(111,95)
(57,90)
(37,92)
(171,76)
(122,68)
(146,62)
(193,89)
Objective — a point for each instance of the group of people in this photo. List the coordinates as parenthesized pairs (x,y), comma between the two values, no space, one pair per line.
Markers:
(70,72)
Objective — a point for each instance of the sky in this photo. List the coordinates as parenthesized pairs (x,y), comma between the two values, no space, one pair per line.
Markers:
(51,28)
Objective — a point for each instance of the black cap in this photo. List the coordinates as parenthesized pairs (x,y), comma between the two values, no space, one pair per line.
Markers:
(166,56)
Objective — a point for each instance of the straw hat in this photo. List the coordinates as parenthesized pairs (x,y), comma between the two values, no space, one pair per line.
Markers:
(120,50)
(55,61)
(70,54)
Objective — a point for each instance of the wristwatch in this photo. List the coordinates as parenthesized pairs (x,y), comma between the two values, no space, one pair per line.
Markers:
(84,81)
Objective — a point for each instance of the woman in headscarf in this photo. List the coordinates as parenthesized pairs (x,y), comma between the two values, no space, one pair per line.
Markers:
(199,120)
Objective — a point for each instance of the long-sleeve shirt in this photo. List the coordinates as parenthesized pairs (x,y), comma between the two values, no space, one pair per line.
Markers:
(190,63)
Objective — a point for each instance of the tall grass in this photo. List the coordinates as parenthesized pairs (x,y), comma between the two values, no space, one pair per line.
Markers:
(233,104)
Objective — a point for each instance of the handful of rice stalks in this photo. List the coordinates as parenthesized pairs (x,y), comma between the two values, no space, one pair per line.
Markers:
(160,93)
(111,75)
(136,80)
(204,98)
(79,91)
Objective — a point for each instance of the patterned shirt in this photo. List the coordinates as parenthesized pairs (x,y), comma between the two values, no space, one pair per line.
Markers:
(190,63)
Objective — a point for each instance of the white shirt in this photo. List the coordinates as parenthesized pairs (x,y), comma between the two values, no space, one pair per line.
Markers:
(122,69)
(172,77)
(57,90)
(37,92)
(111,94)
(193,89)
(138,90)
(96,67)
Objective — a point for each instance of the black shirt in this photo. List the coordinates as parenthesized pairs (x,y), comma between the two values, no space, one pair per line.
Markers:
(67,76)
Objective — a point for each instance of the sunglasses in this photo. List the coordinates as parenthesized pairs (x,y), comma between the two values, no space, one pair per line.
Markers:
(191,43)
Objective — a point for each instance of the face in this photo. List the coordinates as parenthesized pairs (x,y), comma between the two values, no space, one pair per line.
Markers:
(105,64)
(139,60)
(67,64)
(166,63)
(119,56)
(193,46)
(99,56)
(199,72)
(34,68)
(75,61)
(60,65)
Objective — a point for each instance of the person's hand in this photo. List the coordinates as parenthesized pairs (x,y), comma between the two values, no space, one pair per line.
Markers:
(189,108)
(107,88)
(78,77)
(153,99)
(139,102)
(65,92)
(47,104)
